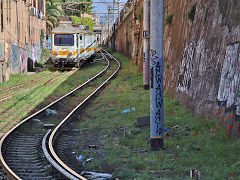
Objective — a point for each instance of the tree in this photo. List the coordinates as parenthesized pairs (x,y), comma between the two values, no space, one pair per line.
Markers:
(79,9)
(53,11)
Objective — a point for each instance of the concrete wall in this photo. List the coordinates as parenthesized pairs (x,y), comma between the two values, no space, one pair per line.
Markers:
(20,35)
(201,58)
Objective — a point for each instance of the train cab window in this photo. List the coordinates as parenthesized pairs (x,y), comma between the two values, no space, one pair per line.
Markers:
(80,37)
(63,40)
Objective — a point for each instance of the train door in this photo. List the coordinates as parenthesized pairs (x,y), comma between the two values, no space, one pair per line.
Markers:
(77,43)
(81,46)
(88,45)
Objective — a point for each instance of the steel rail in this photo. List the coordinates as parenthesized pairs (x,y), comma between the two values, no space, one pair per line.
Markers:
(5,167)
(53,134)
(24,83)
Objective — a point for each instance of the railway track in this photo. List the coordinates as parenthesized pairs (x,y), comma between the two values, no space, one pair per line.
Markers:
(24,83)
(8,93)
(27,149)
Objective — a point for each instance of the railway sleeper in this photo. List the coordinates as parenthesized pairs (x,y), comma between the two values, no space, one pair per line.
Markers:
(23,161)
(34,166)
(36,176)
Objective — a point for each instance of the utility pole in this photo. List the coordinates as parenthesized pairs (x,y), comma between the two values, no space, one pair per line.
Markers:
(108,20)
(156,64)
(146,36)
(113,10)
(119,10)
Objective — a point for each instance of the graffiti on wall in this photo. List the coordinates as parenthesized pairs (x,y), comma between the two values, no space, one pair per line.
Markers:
(23,60)
(1,52)
(14,57)
(229,88)
(186,69)
(38,51)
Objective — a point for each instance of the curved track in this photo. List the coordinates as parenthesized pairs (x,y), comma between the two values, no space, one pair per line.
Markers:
(68,171)
(23,150)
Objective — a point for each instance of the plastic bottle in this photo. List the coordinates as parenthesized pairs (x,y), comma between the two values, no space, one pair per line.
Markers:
(128,110)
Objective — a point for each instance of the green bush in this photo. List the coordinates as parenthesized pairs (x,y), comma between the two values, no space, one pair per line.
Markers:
(191,12)
(38,64)
(85,21)
(169,18)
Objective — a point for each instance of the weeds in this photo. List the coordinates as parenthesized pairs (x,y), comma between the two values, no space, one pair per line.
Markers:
(140,14)
(168,19)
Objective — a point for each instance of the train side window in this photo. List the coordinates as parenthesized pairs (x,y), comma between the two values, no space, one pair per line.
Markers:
(80,37)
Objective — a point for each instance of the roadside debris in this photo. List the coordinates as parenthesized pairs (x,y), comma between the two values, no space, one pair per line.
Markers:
(176,126)
(49,112)
(38,121)
(92,146)
(89,159)
(49,126)
(96,176)
(128,110)
(195,174)
(143,121)
(80,157)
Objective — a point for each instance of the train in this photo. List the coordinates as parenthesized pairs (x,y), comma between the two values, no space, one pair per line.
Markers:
(72,45)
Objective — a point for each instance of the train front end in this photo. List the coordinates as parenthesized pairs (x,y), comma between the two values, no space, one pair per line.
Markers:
(64,50)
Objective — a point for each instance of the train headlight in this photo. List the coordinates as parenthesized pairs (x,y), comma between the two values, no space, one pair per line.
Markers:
(56,53)
(70,53)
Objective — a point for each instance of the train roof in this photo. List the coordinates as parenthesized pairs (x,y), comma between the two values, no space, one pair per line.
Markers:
(68,27)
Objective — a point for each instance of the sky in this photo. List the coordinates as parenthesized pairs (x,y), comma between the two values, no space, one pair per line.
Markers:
(102,7)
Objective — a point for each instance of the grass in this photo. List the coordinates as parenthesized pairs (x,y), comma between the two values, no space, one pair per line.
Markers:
(124,148)
(20,78)
(15,109)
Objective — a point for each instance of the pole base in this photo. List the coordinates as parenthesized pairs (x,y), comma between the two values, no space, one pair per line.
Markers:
(156,144)
(146,86)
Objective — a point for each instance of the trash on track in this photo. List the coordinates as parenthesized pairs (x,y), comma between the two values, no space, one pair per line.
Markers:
(49,112)
(38,121)
(80,157)
(96,176)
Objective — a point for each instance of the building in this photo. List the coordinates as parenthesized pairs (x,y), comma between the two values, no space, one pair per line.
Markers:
(22,22)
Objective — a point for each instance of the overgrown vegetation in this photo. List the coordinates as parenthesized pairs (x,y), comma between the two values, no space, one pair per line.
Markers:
(169,18)
(167,66)
(88,22)
(191,12)
(190,142)
(140,14)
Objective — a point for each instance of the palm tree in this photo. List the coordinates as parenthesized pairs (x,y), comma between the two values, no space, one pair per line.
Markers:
(53,11)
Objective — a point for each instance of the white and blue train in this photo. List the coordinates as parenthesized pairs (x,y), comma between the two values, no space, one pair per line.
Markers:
(72,45)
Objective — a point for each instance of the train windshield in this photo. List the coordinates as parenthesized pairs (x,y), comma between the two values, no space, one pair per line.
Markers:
(63,40)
